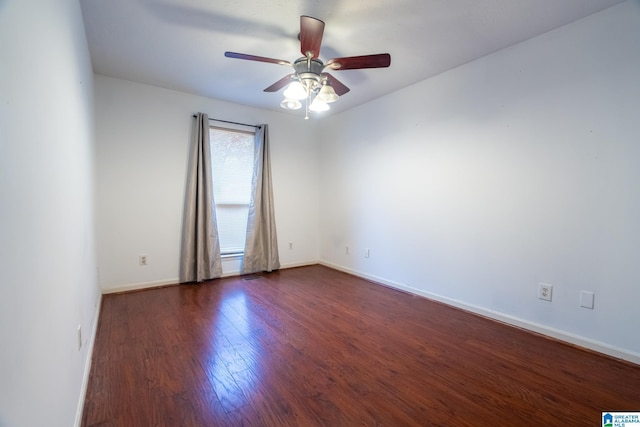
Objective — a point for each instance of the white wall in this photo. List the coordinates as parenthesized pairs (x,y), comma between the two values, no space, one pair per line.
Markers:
(519,168)
(47,256)
(143,135)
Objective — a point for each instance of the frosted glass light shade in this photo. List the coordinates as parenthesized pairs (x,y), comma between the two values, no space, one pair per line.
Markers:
(327,94)
(295,90)
(318,105)
(290,104)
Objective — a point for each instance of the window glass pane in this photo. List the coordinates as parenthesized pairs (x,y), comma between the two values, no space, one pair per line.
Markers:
(232,165)
(232,227)
(232,155)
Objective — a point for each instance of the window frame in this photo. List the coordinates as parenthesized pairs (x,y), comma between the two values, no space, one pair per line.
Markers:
(231,253)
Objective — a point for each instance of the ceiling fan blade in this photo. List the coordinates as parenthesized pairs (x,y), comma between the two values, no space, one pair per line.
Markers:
(279,84)
(311,30)
(380,60)
(256,58)
(340,88)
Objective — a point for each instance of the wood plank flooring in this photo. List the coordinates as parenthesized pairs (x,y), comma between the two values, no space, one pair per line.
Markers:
(312,346)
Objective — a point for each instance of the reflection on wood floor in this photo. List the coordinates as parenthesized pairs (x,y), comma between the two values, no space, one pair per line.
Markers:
(312,346)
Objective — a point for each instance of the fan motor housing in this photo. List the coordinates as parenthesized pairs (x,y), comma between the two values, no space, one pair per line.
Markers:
(308,65)
(308,71)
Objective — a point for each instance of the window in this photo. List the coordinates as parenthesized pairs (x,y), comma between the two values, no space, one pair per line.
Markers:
(232,153)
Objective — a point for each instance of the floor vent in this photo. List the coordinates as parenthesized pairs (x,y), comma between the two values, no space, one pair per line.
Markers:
(250,277)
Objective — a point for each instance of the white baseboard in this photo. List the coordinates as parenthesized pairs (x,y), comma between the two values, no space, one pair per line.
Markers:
(299,264)
(139,286)
(558,334)
(160,283)
(87,363)
(236,272)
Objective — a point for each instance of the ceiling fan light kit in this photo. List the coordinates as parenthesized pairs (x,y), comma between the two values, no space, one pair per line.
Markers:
(309,82)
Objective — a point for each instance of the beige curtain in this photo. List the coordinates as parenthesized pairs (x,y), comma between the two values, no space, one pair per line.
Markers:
(261,247)
(200,258)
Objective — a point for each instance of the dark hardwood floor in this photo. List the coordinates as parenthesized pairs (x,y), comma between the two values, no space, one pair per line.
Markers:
(313,346)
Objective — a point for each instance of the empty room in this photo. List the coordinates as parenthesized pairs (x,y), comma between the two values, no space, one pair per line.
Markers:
(319,213)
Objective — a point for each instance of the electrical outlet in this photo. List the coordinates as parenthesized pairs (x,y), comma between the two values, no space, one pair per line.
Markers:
(290,245)
(586,299)
(346,250)
(545,291)
(79,337)
(366,253)
(143,260)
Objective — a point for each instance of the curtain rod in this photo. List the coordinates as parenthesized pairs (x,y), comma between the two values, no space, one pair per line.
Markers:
(233,123)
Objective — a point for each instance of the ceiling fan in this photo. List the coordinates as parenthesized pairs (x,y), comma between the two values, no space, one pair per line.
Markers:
(309,82)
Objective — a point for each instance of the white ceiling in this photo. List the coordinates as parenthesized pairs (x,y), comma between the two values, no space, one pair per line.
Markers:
(180,44)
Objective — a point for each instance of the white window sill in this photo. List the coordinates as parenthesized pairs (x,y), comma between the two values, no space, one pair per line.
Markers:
(232,256)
